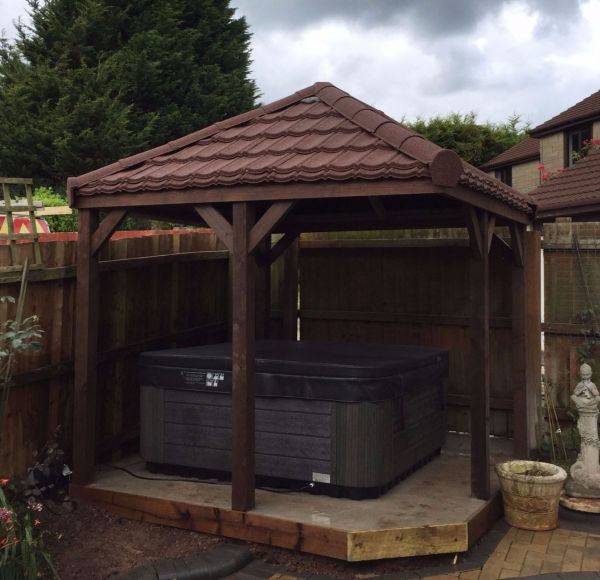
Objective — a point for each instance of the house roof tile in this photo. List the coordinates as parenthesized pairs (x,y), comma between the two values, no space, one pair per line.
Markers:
(319,133)
(576,186)
(582,111)
(526,150)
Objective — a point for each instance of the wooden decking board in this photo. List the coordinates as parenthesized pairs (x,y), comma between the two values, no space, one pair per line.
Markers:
(428,513)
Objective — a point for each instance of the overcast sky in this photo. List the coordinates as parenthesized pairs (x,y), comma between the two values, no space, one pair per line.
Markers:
(415,58)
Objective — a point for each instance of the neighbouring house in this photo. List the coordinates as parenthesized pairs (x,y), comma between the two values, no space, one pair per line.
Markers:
(551,144)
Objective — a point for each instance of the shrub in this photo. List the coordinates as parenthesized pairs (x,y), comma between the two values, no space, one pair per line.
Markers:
(50,198)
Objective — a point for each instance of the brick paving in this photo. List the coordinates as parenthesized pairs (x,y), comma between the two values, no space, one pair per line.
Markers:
(521,554)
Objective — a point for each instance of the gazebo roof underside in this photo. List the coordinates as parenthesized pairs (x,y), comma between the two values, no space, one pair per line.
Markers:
(317,135)
(574,191)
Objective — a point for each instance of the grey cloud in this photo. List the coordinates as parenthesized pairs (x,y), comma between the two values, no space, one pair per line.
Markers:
(427,17)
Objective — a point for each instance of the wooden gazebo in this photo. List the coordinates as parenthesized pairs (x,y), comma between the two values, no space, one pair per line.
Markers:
(318,160)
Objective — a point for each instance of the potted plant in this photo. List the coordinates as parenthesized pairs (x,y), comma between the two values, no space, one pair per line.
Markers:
(530,492)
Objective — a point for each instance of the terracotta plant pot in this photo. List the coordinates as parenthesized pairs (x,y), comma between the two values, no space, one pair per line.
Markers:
(530,491)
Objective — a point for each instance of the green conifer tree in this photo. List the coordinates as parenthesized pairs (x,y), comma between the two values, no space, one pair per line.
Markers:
(91,81)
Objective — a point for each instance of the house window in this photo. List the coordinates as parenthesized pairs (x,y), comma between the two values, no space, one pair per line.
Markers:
(504,174)
(575,140)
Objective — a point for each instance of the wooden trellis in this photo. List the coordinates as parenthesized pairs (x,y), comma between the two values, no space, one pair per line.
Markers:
(14,202)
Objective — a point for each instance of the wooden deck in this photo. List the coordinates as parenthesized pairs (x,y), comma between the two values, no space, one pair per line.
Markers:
(430,512)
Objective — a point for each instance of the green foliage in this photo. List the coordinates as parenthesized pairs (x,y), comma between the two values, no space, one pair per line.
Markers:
(50,198)
(474,142)
(22,553)
(95,80)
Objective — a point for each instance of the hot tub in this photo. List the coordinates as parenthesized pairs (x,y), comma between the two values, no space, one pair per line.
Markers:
(342,419)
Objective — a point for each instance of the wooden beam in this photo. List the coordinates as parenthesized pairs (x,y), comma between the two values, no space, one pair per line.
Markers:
(215,220)
(474,228)
(365,221)
(479,361)
(501,248)
(516,242)
(264,226)
(106,228)
(86,347)
(281,246)
(532,256)
(289,300)
(488,203)
(243,361)
(378,207)
(261,192)
(263,290)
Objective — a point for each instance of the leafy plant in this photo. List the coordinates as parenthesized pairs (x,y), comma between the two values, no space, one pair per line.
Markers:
(22,553)
(16,337)
(475,142)
(51,198)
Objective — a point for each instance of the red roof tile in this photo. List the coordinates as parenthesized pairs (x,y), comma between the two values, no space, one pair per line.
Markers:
(319,133)
(584,110)
(576,186)
(526,150)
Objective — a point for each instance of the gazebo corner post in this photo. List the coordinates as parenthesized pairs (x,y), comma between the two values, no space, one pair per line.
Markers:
(86,347)
(520,346)
(481,226)
(532,260)
(243,363)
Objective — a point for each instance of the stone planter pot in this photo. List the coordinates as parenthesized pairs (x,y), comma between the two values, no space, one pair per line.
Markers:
(530,492)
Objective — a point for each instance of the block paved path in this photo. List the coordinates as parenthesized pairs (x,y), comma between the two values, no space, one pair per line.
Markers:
(521,554)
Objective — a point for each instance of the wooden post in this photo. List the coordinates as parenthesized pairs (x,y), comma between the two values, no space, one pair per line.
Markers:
(479,359)
(532,256)
(86,349)
(290,292)
(263,290)
(519,346)
(243,360)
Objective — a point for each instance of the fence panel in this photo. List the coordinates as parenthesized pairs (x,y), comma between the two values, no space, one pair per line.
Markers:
(571,306)
(145,305)
(410,292)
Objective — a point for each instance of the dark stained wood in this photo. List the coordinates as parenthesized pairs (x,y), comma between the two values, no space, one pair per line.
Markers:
(474,228)
(501,248)
(516,242)
(106,228)
(243,360)
(479,362)
(264,226)
(488,203)
(86,349)
(414,219)
(263,289)
(281,246)
(378,207)
(519,350)
(485,518)
(532,252)
(215,220)
(160,259)
(290,292)
(261,192)
(385,244)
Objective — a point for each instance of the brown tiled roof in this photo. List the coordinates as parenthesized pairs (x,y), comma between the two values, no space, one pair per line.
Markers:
(526,150)
(317,134)
(577,186)
(582,111)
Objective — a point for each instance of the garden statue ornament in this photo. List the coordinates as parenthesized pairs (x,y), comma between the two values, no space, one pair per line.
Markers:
(584,480)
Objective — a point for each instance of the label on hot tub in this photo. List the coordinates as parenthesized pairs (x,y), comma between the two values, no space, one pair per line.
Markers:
(321,477)
(204,378)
